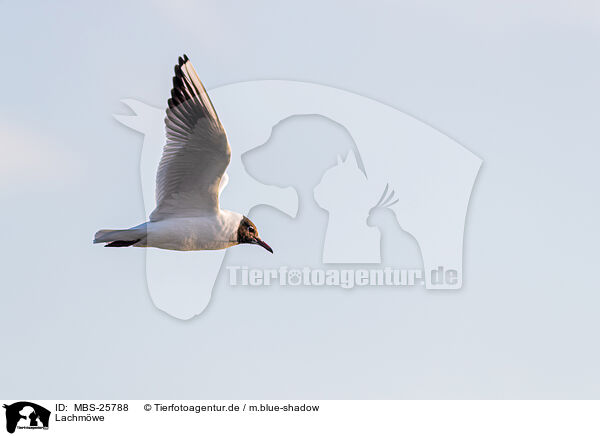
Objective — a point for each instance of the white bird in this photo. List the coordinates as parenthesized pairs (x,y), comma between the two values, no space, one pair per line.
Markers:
(190,176)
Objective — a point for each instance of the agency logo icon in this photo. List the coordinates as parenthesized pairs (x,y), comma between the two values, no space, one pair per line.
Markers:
(395,171)
(24,415)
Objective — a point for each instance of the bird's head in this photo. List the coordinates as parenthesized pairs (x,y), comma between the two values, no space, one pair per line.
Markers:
(247,234)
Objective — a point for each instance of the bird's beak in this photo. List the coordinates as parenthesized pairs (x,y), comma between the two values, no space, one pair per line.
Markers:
(263,244)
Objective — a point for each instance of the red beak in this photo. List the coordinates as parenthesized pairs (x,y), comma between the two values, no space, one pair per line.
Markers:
(263,244)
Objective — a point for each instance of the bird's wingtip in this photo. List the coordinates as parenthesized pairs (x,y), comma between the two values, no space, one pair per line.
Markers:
(183,59)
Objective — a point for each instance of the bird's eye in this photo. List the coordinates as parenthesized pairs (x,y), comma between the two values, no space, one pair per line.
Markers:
(251,229)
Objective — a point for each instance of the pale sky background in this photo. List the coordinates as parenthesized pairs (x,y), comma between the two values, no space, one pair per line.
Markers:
(515,82)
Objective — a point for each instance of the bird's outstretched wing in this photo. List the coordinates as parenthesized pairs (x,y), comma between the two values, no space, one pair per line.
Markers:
(196,153)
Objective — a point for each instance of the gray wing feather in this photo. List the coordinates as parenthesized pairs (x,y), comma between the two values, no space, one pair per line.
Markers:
(196,153)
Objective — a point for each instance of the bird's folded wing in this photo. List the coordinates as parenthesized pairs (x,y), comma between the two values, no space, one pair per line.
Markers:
(196,153)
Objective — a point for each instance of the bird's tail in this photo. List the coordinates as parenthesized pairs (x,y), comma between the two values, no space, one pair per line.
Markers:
(120,238)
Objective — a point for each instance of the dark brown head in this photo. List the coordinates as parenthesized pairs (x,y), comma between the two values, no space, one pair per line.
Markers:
(247,234)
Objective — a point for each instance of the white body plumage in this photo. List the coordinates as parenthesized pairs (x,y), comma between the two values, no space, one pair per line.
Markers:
(194,233)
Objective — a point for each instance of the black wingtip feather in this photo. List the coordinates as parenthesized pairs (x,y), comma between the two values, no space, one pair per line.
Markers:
(186,103)
(122,243)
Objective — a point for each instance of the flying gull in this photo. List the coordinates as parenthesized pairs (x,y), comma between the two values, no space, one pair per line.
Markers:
(190,176)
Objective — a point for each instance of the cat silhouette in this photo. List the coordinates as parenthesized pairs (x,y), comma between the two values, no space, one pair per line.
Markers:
(346,194)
